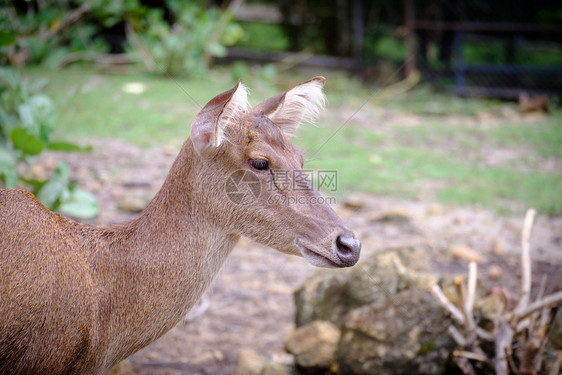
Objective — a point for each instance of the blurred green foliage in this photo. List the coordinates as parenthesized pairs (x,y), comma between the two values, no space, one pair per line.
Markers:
(187,46)
(46,31)
(27,120)
(179,38)
(264,37)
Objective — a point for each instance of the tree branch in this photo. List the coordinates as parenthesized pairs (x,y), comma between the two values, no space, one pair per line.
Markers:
(549,300)
(70,18)
(526,260)
(453,310)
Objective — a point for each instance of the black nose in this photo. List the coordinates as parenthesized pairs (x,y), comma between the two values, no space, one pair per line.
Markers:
(348,248)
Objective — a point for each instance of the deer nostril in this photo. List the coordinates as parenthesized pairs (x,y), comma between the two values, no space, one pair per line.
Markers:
(348,248)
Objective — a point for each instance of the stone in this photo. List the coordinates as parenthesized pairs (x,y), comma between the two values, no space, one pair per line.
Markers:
(466,253)
(394,216)
(122,368)
(330,295)
(434,210)
(132,204)
(314,345)
(355,202)
(402,334)
(498,248)
(494,272)
(252,363)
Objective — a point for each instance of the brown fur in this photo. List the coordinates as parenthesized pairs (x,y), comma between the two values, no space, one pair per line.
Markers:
(77,299)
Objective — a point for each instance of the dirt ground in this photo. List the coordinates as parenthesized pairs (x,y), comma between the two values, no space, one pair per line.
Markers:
(251,303)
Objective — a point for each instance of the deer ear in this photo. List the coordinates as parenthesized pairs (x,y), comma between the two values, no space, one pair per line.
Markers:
(301,103)
(207,130)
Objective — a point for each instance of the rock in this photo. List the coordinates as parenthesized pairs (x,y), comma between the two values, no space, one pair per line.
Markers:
(170,150)
(38,172)
(252,363)
(434,210)
(395,216)
(536,104)
(330,295)
(498,248)
(494,272)
(466,253)
(314,345)
(355,202)
(122,368)
(403,334)
(132,204)
(375,159)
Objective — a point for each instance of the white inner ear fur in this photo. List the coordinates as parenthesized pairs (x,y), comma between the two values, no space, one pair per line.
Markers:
(236,107)
(302,103)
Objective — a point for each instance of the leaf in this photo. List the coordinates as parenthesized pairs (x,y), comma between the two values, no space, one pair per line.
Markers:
(217,50)
(7,38)
(34,184)
(8,173)
(68,147)
(26,115)
(79,203)
(27,143)
(43,112)
(54,188)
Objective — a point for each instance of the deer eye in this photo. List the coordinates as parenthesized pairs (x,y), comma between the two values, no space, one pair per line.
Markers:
(259,164)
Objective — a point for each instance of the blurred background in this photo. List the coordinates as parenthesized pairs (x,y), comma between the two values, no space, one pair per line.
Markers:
(443,122)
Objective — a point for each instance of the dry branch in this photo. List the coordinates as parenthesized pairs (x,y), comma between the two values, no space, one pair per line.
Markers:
(507,325)
(555,369)
(453,310)
(470,355)
(68,20)
(526,260)
(550,300)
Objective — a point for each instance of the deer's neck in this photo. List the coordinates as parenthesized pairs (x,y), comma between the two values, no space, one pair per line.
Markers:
(165,259)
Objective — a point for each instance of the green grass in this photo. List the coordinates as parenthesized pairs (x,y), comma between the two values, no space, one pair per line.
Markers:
(436,159)
(95,105)
(546,138)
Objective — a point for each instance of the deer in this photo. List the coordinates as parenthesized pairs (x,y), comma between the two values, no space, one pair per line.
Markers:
(77,298)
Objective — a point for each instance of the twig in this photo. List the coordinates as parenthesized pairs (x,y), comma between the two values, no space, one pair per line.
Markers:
(469,302)
(526,260)
(98,58)
(511,363)
(484,335)
(509,322)
(464,365)
(143,51)
(549,300)
(471,355)
(472,276)
(503,339)
(461,292)
(555,369)
(453,310)
(456,335)
(72,17)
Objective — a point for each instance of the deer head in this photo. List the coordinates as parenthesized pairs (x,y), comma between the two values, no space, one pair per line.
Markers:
(255,175)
